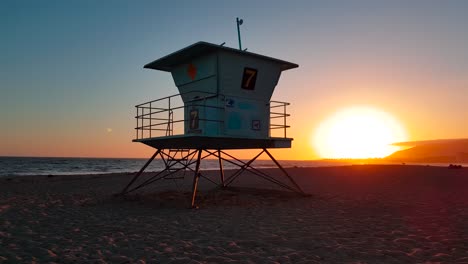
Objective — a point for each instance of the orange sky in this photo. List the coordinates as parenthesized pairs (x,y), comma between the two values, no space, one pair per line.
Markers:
(71,74)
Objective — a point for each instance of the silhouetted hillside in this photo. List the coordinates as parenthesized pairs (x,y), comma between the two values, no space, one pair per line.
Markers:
(444,151)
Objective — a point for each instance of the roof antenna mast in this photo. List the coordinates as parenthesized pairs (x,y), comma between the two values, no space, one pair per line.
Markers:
(239,22)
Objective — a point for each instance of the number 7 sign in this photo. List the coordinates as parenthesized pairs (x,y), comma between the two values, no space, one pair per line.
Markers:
(194,119)
(249,78)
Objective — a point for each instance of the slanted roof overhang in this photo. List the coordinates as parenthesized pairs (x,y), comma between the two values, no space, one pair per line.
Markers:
(185,55)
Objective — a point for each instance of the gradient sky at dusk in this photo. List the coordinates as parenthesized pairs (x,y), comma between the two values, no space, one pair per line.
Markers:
(72,71)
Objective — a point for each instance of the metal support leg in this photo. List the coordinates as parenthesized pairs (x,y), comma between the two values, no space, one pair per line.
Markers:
(196,177)
(140,172)
(221,170)
(255,171)
(284,171)
(242,169)
(167,171)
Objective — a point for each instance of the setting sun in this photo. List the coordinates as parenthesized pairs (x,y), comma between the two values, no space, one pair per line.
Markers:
(358,132)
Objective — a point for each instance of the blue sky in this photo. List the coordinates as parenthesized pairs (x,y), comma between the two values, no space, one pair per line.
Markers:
(72,69)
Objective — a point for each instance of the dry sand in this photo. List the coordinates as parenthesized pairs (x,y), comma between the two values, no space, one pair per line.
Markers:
(356,214)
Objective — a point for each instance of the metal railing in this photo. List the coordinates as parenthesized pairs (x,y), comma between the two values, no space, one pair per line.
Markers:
(165,116)
(276,114)
(160,111)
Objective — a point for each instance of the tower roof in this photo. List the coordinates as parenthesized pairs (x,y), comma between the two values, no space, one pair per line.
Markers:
(167,63)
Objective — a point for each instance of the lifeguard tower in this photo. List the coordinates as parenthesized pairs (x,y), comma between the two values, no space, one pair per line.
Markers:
(223,104)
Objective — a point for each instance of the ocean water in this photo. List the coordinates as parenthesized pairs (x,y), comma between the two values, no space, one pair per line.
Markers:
(22,166)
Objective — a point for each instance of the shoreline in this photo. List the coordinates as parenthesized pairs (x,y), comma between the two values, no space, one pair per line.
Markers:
(339,164)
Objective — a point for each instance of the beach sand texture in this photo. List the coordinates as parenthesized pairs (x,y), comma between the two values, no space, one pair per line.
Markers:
(356,214)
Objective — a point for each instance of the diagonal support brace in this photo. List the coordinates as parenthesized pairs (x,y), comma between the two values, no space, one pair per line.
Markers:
(140,172)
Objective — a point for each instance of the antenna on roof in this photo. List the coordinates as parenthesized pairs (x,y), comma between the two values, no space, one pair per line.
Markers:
(239,22)
(222,44)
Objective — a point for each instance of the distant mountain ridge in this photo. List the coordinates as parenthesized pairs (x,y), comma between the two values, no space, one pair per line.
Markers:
(441,150)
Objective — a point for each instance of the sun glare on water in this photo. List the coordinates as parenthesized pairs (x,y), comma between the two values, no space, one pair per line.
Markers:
(358,132)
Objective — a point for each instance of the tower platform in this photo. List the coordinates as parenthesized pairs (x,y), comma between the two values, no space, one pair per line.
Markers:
(218,142)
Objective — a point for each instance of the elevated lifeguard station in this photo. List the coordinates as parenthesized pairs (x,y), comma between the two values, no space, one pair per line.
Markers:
(224,103)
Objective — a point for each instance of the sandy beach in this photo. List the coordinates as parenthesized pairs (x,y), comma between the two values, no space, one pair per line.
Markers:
(355,214)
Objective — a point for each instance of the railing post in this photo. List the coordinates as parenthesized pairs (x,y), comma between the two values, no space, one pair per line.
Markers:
(142,122)
(169,121)
(150,116)
(136,129)
(284,117)
(269,125)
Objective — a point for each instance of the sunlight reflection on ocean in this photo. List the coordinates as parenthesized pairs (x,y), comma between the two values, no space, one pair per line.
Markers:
(22,166)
